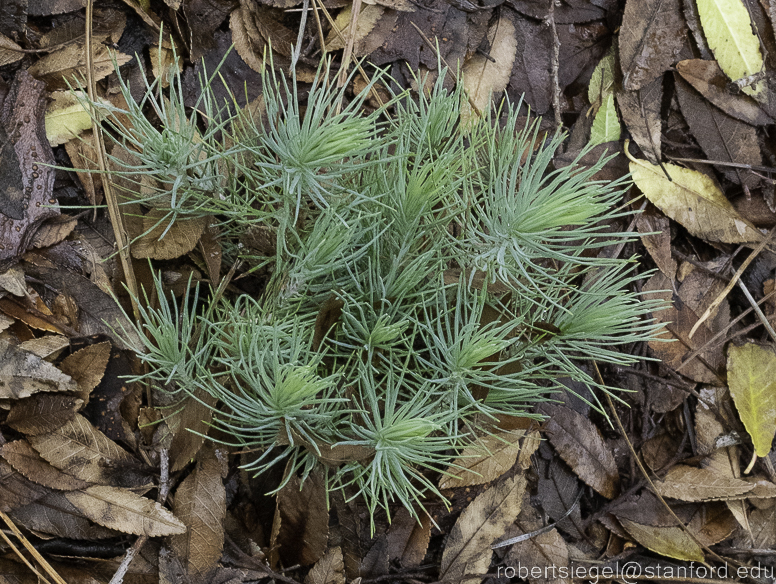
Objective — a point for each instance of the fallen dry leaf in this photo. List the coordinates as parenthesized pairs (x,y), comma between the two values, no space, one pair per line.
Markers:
(330,569)
(42,413)
(688,483)
(24,458)
(468,547)
(124,511)
(23,374)
(83,451)
(200,503)
(582,447)
(486,460)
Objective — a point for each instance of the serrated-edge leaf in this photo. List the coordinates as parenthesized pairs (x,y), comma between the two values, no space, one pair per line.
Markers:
(752,384)
(124,511)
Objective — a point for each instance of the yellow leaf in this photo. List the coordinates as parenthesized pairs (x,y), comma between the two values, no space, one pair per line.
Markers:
(602,80)
(672,542)
(367,19)
(728,31)
(752,382)
(65,118)
(692,199)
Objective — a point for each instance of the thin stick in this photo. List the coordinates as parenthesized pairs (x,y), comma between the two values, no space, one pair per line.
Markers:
(122,240)
(28,546)
(718,300)
(555,64)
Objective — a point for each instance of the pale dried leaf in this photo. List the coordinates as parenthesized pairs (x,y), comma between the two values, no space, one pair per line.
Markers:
(124,511)
(486,460)
(87,365)
(164,241)
(23,373)
(330,569)
(68,64)
(55,515)
(25,459)
(200,503)
(82,450)
(468,548)
(688,483)
(672,542)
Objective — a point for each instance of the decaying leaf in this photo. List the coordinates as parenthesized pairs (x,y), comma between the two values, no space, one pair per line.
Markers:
(728,30)
(582,447)
(752,382)
(486,75)
(488,459)
(82,450)
(693,200)
(68,64)
(656,237)
(124,511)
(640,111)
(481,523)
(42,412)
(650,38)
(188,424)
(602,82)
(83,157)
(688,483)
(708,79)
(330,569)
(23,374)
(10,52)
(368,17)
(24,458)
(55,515)
(303,520)
(26,160)
(17,490)
(680,318)
(200,503)
(545,552)
(722,137)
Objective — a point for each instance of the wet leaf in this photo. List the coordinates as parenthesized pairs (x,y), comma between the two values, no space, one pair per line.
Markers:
(582,447)
(26,179)
(468,548)
(650,38)
(728,30)
(330,569)
(693,200)
(752,382)
(124,511)
(23,373)
(688,483)
(200,503)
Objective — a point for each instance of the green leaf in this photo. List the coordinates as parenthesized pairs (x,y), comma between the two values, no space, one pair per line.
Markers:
(752,383)
(728,31)
(602,81)
(606,126)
